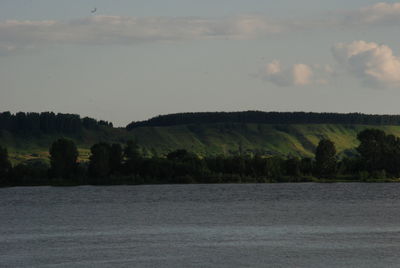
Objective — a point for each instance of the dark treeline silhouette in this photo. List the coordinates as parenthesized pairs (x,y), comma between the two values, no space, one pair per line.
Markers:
(267,118)
(377,159)
(47,123)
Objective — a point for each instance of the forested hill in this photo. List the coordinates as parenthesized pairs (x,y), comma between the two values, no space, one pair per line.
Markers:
(259,117)
(28,124)
(49,122)
(29,135)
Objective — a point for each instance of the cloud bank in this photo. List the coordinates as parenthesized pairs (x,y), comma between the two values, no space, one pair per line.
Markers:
(16,34)
(374,64)
(99,30)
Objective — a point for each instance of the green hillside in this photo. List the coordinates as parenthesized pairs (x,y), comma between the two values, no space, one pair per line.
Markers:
(203,139)
(219,138)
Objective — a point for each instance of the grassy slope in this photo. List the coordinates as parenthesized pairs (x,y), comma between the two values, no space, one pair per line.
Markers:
(281,139)
(209,139)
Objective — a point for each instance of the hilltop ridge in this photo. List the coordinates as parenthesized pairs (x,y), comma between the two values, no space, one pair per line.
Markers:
(261,117)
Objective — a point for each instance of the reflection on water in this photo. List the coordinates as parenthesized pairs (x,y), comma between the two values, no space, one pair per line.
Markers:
(278,225)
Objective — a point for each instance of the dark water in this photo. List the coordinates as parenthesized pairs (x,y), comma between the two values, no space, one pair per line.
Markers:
(270,225)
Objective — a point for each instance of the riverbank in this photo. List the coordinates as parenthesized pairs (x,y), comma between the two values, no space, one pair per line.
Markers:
(120,181)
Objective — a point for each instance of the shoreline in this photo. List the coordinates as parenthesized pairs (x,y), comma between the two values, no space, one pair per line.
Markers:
(315,181)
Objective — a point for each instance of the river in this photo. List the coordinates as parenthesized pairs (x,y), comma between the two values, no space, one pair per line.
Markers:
(231,225)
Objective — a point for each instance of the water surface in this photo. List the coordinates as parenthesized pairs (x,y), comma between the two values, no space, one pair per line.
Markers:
(254,225)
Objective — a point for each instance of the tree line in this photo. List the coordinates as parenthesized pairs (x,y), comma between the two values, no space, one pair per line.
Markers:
(259,117)
(377,158)
(28,124)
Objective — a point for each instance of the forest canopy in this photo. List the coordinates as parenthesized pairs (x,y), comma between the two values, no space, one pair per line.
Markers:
(47,123)
(31,123)
(260,117)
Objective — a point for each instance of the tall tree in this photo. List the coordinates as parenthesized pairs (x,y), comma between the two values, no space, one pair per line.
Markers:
(325,158)
(371,148)
(99,165)
(5,165)
(379,151)
(63,158)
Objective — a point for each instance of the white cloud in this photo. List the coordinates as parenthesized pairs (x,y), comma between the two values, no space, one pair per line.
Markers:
(302,74)
(374,64)
(296,75)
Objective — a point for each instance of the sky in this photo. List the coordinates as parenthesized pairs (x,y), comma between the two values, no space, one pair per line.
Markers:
(131,60)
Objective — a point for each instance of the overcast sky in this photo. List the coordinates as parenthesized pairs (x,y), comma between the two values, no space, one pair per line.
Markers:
(131,60)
